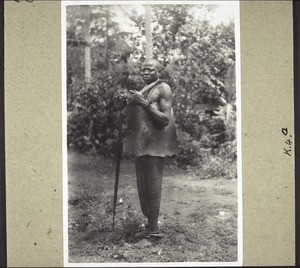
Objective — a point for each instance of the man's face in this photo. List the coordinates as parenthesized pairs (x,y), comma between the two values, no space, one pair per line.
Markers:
(149,72)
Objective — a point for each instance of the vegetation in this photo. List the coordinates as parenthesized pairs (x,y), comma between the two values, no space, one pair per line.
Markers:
(198,60)
(106,45)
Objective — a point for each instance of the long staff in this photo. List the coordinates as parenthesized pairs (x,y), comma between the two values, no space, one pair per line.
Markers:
(118,160)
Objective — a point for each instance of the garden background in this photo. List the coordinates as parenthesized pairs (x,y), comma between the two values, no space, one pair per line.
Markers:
(106,45)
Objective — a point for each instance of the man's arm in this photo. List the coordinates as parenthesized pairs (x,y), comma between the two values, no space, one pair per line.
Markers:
(162,116)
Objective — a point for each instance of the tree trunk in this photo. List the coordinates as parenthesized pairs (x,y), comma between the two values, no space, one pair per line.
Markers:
(148,31)
(106,40)
(87,67)
(87,46)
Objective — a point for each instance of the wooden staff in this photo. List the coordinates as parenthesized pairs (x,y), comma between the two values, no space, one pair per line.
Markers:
(118,160)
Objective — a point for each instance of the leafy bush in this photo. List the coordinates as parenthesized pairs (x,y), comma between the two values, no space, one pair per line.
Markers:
(91,121)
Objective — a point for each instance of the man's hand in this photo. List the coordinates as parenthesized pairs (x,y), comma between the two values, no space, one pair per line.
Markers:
(138,98)
(120,102)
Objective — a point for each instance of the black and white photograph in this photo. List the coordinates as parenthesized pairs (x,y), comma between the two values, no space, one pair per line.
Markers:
(151,133)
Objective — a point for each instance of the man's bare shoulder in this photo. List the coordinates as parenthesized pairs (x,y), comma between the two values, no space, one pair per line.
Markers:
(165,90)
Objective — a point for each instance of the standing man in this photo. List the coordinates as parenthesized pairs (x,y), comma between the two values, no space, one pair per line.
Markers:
(151,137)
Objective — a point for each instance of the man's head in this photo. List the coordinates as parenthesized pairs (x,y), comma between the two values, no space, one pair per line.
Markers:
(150,70)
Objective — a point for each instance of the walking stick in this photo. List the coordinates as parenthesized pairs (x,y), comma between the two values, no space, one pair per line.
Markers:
(118,149)
(118,160)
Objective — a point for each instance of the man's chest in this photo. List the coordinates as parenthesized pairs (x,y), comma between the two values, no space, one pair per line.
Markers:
(154,95)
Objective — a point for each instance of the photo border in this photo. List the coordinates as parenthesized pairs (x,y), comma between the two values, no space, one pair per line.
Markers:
(3,234)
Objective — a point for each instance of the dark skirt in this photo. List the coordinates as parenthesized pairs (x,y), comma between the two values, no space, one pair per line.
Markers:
(149,173)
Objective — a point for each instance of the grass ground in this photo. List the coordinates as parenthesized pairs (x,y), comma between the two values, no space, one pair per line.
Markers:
(198,216)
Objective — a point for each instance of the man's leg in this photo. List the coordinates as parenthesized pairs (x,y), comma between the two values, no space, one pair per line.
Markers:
(149,173)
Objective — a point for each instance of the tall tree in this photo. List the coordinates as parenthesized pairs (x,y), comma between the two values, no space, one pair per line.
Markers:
(87,38)
(148,11)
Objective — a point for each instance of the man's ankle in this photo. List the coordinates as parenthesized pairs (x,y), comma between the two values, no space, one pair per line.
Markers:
(153,226)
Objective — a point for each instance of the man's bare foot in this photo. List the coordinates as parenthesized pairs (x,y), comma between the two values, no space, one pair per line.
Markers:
(154,234)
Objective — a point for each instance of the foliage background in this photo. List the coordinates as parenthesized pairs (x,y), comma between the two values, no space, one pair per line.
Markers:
(198,58)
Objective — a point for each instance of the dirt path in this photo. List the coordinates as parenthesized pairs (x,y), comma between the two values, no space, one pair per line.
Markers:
(198,217)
